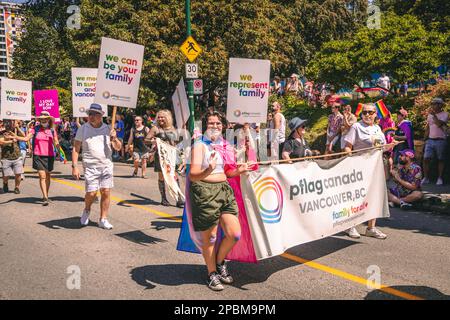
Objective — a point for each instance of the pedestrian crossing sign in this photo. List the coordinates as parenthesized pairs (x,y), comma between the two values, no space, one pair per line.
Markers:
(190,49)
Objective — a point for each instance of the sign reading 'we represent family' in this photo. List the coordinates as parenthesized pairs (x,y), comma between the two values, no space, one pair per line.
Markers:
(119,73)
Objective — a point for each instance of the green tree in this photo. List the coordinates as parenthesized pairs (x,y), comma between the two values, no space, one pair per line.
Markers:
(286,32)
(402,48)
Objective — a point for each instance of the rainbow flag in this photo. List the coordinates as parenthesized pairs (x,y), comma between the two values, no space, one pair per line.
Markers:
(62,155)
(382,110)
(358,109)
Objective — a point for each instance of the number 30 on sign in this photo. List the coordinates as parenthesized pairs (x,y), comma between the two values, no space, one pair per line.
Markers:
(191,70)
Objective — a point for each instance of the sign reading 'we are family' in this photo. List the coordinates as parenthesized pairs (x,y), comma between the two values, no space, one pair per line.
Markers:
(119,73)
(15,99)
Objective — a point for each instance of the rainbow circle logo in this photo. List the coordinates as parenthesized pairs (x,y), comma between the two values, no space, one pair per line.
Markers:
(265,189)
(237,113)
(106,94)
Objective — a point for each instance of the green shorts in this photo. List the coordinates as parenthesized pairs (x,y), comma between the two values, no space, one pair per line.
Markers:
(209,201)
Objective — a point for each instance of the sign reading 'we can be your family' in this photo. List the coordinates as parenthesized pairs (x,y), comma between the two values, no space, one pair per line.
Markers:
(119,73)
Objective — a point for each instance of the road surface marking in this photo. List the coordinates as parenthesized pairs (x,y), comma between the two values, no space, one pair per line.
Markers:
(309,263)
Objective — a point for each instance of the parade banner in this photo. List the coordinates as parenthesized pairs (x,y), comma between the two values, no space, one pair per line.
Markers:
(180,105)
(83,91)
(291,204)
(47,100)
(15,99)
(248,90)
(119,73)
(168,160)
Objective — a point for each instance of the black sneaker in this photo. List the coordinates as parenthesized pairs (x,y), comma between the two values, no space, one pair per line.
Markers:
(16,191)
(214,282)
(405,205)
(45,202)
(224,275)
(180,203)
(5,188)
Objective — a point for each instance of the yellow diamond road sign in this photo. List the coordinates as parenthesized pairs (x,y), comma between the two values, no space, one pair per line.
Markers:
(190,49)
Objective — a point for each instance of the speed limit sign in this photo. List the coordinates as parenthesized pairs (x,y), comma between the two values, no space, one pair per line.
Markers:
(191,70)
(198,86)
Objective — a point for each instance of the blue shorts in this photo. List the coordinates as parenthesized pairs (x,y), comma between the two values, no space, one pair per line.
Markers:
(435,147)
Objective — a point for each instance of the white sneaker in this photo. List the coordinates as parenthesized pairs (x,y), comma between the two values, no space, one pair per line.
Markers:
(104,223)
(85,217)
(439,182)
(425,181)
(375,233)
(353,233)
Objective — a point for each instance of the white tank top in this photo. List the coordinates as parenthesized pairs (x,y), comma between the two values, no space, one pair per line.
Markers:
(209,149)
(282,131)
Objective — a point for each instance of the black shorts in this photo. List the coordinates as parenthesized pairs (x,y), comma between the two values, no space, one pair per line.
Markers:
(43,163)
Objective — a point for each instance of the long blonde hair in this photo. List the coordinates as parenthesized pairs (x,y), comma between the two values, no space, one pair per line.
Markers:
(166,114)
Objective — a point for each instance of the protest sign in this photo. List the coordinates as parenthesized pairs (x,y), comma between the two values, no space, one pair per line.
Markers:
(83,91)
(47,100)
(119,73)
(248,90)
(15,99)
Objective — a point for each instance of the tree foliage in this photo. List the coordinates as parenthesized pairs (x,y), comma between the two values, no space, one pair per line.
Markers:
(402,48)
(288,33)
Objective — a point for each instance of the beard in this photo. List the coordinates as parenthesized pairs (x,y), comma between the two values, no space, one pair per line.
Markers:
(402,162)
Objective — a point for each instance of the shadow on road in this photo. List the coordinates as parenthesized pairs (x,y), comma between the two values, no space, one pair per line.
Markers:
(166,224)
(140,237)
(142,201)
(244,273)
(23,200)
(419,291)
(39,200)
(67,223)
(418,222)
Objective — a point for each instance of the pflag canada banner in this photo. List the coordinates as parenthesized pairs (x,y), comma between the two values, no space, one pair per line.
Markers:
(290,204)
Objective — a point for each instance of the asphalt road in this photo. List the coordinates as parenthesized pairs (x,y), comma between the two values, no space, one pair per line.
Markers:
(42,249)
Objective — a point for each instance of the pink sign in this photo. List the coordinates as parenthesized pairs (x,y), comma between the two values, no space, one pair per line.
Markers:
(47,100)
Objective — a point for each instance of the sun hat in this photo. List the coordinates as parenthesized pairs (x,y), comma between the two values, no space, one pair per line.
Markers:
(295,123)
(45,115)
(95,107)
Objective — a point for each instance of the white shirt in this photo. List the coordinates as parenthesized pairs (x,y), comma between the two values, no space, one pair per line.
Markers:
(361,136)
(384,82)
(96,145)
(437,132)
(282,131)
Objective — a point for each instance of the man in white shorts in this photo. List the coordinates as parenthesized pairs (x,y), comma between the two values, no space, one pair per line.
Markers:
(96,140)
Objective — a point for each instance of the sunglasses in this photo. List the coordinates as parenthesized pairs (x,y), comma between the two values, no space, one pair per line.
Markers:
(367,112)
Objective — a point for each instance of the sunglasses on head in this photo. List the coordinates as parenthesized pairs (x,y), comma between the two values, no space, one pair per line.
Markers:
(369,112)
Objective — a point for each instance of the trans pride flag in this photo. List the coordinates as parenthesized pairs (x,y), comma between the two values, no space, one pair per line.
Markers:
(190,240)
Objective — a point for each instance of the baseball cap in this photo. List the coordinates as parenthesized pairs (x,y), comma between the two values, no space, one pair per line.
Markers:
(408,152)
